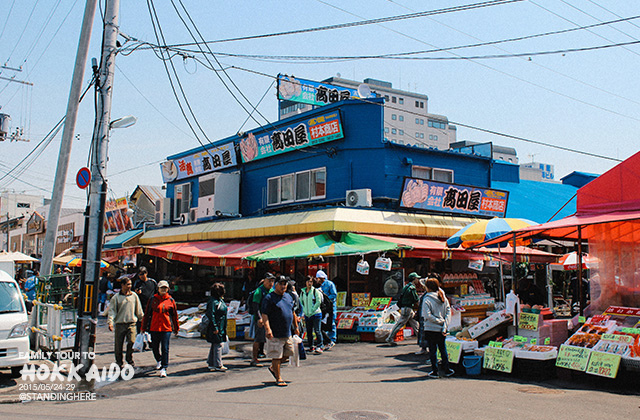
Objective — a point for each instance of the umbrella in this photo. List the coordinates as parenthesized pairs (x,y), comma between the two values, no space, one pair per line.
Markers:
(325,245)
(570,261)
(478,232)
(77,262)
(17,257)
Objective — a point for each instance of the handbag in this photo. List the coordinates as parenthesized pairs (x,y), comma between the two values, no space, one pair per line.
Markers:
(204,324)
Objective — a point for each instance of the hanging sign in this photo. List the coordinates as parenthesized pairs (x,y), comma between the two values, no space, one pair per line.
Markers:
(310,132)
(498,359)
(571,357)
(528,321)
(452,198)
(476,265)
(362,267)
(341,300)
(604,364)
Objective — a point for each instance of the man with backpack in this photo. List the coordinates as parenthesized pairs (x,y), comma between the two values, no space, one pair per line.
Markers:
(255,309)
(407,300)
(329,290)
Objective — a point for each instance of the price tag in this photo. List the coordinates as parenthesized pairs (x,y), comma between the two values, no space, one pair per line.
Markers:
(498,359)
(519,339)
(618,338)
(341,300)
(527,321)
(379,304)
(571,357)
(497,344)
(547,341)
(534,341)
(582,319)
(454,350)
(346,323)
(630,330)
(604,364)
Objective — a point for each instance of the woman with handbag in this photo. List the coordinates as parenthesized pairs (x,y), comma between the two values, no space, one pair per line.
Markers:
(161,318)
(217,328)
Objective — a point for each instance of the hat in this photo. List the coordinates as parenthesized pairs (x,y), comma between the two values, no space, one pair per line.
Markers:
(269,276)
(321,274)
(413,276)
(163,283)
(282,279)
(423,283)
(67,269)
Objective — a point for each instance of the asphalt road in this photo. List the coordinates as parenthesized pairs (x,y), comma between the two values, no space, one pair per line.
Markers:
(352,381)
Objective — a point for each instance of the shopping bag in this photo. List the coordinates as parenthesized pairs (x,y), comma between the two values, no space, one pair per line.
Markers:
(225,348)
(139,343)
(294,361)
(302,351)
(147,337)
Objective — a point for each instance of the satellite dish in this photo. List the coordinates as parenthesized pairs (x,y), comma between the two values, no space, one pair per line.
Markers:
(364,91)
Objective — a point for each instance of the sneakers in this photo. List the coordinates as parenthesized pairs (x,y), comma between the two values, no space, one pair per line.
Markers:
(449,373)
(433,375)
(318,350)
(392,343)
(329,346)
(255,364)
(163,373)
(421,351)
(159,366)
(218,369)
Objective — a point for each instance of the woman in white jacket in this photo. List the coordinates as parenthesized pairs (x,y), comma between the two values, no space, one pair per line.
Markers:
(436,314)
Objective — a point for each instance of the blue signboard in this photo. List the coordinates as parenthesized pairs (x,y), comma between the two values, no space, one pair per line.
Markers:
(199,163)
(313,131)
(310,92)
(452,198)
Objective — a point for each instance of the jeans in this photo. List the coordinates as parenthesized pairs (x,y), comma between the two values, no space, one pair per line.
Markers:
(333,332)
(406,316)
(161,338)
(436,342)
(215,355)
(313,324)
(124,332)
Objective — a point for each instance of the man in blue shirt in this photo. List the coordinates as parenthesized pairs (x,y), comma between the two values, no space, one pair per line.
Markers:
(329,288)
(278,318)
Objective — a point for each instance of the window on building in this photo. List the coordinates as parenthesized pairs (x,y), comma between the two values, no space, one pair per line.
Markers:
(437,124)
(421,135)
(401,132)
(421,104)
(401,117)
(401,101)
(393,99)
(417,120)
(394,131)
(386,97)
(181,200)
(417,104)
(300,186)
(434,174)
(386,130)
(206,186)
(421,121)
(23,205)
(394,117)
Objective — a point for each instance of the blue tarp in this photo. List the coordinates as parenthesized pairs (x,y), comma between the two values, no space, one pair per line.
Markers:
(119,240)
(538,201)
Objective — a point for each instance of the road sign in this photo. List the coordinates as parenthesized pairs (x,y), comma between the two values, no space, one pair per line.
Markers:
(83,178)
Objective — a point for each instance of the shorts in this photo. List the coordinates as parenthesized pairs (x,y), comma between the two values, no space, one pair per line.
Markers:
(258,334)
(279,348)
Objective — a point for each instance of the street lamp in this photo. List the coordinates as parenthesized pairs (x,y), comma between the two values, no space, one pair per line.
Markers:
(123,122)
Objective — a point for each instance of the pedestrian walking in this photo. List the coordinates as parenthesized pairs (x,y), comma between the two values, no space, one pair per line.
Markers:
(146,288)
(408,298)
(255,308)
(217,329)
(436,313)
(329,288)
(125,311)
(311,299)
(278,318)
(161,319)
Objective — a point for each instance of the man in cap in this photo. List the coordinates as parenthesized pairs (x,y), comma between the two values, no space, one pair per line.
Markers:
(279,320)
(257,325)
(329,288)
(408,298)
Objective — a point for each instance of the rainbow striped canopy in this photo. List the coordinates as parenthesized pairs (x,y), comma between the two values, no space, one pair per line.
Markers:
(476,233)
(77,262)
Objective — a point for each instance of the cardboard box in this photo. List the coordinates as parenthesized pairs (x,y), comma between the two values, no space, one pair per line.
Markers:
(489,323)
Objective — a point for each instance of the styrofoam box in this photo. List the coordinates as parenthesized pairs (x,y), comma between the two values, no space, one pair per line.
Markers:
(535,355)
(493,321)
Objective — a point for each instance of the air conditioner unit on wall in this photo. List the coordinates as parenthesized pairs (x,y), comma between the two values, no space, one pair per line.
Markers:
(193,215)
(163,212)
(223,195)
(184,218)
(359,198)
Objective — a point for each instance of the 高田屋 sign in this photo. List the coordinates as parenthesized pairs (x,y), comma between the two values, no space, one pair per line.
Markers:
(310,92)
(199,163)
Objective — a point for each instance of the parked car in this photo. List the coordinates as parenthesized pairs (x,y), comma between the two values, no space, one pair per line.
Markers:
(14,324)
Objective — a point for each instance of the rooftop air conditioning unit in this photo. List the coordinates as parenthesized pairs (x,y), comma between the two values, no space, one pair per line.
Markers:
(359,198)
(163,212)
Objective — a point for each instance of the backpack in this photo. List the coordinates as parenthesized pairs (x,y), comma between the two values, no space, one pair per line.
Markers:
(327,305)
(252,307)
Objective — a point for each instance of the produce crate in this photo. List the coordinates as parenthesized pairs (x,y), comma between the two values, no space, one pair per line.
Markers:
(231,328)
(631,364)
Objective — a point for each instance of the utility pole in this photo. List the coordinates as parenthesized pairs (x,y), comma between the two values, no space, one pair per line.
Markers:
(67,138)
(89,280)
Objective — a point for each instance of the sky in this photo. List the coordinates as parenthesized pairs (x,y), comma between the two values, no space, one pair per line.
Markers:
(584,98)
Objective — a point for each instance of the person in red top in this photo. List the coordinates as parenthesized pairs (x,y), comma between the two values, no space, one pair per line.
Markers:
(160,319)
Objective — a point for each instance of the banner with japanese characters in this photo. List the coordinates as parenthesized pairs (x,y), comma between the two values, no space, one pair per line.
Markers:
(213,159)
(311,132)
(310,92)
(451,198)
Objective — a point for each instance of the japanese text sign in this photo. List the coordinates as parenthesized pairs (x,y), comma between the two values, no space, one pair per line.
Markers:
(310,92)
(528,321)
(379,303)
(571,357)
(622,310)
(454,351)
(360,299)
(316,130)
(452,198)
(603,364)
(618,338)
(341,300)
(498,359)
(210,160)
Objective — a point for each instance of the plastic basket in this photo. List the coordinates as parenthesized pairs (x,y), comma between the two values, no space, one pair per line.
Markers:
(472,365)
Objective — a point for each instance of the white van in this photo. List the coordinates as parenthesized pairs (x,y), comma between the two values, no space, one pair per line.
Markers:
(14,324)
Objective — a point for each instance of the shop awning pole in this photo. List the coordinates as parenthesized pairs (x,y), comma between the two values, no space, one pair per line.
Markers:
(514,277)
(580,294)
(501,275)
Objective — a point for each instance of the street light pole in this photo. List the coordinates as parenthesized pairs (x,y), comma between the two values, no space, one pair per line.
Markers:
(89,281)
